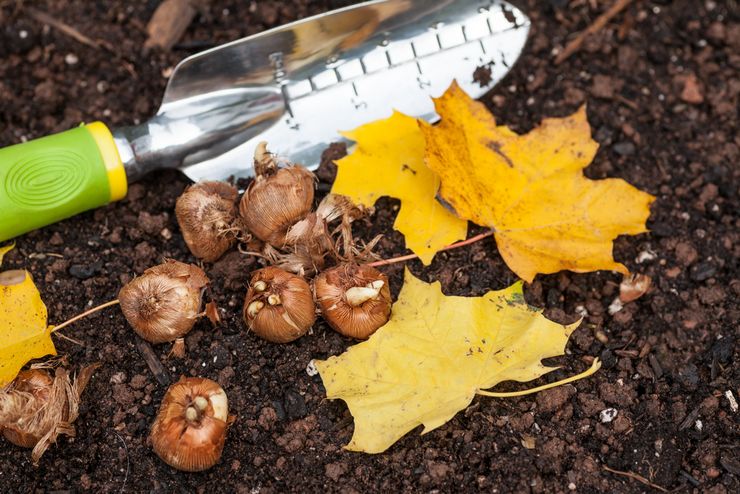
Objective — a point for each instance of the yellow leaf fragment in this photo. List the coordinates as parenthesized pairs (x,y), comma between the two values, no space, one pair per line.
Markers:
(389,161)
(24,334)
(530,188)
(432,357)
(4,250)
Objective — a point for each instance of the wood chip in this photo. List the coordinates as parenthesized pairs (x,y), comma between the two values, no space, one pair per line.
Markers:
(169,22)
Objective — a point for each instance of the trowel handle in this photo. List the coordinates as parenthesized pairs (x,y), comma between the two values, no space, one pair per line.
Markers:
(58,176)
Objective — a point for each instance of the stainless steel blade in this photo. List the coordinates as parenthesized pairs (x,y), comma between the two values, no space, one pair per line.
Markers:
(298,85)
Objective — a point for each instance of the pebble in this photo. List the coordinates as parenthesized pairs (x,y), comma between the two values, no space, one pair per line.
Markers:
(691,92)
(311,368)
(624,148)
(607,415)
(723,348)
(84,271)
(702,271)
(295,405)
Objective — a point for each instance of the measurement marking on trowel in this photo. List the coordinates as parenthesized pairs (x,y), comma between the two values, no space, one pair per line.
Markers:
(279,74)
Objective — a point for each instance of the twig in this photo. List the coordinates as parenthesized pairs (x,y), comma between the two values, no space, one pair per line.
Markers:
(45,18)
(636,477)
(84,314)
(73,33)
(151,359)
(601,21)
(70,339)
(409,257)
(128,460)
(596,365)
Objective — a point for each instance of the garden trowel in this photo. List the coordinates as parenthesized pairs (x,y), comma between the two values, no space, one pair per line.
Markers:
(295,86)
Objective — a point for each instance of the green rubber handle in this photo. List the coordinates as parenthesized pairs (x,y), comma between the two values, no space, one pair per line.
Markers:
(58,176)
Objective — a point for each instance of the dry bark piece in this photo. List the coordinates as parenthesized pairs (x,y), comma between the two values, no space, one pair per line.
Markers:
(190,429)
(279,305)
(276,199)
(206,213)
(354,299)
(36,409)
(164,303)
(170,21)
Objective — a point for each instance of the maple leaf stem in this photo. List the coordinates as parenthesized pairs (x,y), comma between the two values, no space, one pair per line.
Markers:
(84,314)
(594,367)
(409,257)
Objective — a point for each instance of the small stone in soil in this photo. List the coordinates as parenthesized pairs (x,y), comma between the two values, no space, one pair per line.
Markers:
(703,271)
(84,271)
(723,349)
(625,148)
(295,405)
(689,376)
(607,415)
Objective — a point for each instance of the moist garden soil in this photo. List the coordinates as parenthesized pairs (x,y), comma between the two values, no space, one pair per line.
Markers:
(662,89)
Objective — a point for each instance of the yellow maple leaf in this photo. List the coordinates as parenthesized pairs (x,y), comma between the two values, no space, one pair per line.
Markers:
(389,161)
(547,216)
(434,355)
(24,334)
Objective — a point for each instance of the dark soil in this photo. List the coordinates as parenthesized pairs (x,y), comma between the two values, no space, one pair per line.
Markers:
(661,84)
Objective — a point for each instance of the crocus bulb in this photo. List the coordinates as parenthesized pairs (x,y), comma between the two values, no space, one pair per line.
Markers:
(354,299)
(206,213)
(163,303)
(190,429)
(35,409)
(276,199)
(279,306)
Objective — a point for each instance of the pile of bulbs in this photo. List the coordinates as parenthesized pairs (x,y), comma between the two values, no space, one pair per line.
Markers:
(273,215)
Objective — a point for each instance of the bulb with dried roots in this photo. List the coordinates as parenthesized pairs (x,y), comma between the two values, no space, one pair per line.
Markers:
(164,303)
(276,199)
(206,213)
(35,409)
(190,429)
(354,299)
(279,306)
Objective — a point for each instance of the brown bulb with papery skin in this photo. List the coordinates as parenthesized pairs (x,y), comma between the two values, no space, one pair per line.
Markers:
(354,299)
(276,199)
(164,303)
(190,429)
(36,408)
(206,213)
(37,383)
(279,306)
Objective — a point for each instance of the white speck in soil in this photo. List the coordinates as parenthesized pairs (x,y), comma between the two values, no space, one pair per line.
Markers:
(699,425)
(615,306)
(311,369)
(607,415)
(733,402)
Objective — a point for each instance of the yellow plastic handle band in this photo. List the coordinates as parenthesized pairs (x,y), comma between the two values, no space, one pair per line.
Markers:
(113,164)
